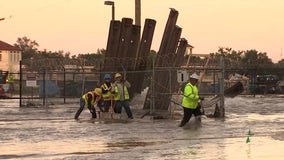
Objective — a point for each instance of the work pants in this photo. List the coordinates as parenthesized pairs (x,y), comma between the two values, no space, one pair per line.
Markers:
(82,105)
(125,105)
(187,113)
(104,105)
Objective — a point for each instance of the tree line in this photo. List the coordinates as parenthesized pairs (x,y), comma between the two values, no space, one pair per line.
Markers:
(30,50)
(250,59)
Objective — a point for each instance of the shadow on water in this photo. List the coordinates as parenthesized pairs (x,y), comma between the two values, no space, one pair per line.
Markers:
(131,144)
(9,156)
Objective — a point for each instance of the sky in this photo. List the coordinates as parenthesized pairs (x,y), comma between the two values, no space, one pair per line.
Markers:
(81,26)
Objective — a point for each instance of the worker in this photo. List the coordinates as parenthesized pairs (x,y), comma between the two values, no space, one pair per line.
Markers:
(89,100)
(107,98)
(190,100)
(121,95)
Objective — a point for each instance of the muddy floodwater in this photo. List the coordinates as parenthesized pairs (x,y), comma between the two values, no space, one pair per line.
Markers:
(48,133)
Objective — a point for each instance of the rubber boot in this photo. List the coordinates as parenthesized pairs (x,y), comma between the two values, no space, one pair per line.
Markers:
(78,113)
(181,124)
(94,115)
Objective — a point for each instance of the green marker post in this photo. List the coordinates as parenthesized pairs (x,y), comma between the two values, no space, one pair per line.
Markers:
(249,134)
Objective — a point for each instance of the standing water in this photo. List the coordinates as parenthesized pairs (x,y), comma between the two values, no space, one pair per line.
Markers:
(252,129)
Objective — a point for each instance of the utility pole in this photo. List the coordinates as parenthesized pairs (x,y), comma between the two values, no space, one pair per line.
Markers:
(138,14)
(281,55)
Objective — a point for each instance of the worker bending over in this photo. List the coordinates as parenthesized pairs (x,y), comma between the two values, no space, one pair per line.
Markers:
(89,99)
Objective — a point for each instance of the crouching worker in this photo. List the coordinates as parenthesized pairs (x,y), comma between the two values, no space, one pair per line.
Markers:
(89,100)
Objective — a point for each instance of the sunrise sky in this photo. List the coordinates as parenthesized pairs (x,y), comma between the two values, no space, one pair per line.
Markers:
(81,26)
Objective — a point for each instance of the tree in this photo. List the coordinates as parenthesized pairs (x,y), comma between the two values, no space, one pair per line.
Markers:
(263,59)
(253,58)
(27,46)
(234,58)
(281,63)
(231,57)
(92,58)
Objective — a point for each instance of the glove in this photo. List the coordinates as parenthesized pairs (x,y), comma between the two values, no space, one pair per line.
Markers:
(196,97)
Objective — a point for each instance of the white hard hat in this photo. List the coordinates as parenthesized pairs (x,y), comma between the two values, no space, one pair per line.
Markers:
(194,76)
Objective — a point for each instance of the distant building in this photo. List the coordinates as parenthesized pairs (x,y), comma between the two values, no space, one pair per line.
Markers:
(10,57)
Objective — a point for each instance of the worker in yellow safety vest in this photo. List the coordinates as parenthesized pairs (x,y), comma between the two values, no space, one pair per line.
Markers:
(89,100)
(121,95)
(107,97)
(190,100)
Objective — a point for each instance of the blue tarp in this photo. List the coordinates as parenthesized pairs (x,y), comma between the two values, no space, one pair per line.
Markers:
(51,88)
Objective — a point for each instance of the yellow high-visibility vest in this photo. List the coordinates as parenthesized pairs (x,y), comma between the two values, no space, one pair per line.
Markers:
(117,95)
(107,95)
(191,97)
(86,101)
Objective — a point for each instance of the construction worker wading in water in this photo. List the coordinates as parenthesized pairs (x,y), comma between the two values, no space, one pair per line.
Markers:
(89,99)
(107,97)
(121,95)
(190,100)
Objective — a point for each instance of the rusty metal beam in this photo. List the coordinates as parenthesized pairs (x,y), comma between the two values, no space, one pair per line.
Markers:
(143,53)
(131,56)
(161,79)
(124,39)
(167,78)
(112,45)
(171,23)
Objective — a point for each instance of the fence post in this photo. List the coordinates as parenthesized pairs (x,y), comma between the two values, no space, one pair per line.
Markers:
(43,88)
(222,96)
(64,84)
(152,106)
(21,85)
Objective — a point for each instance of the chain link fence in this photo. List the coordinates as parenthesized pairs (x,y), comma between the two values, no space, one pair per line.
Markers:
(51,81)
